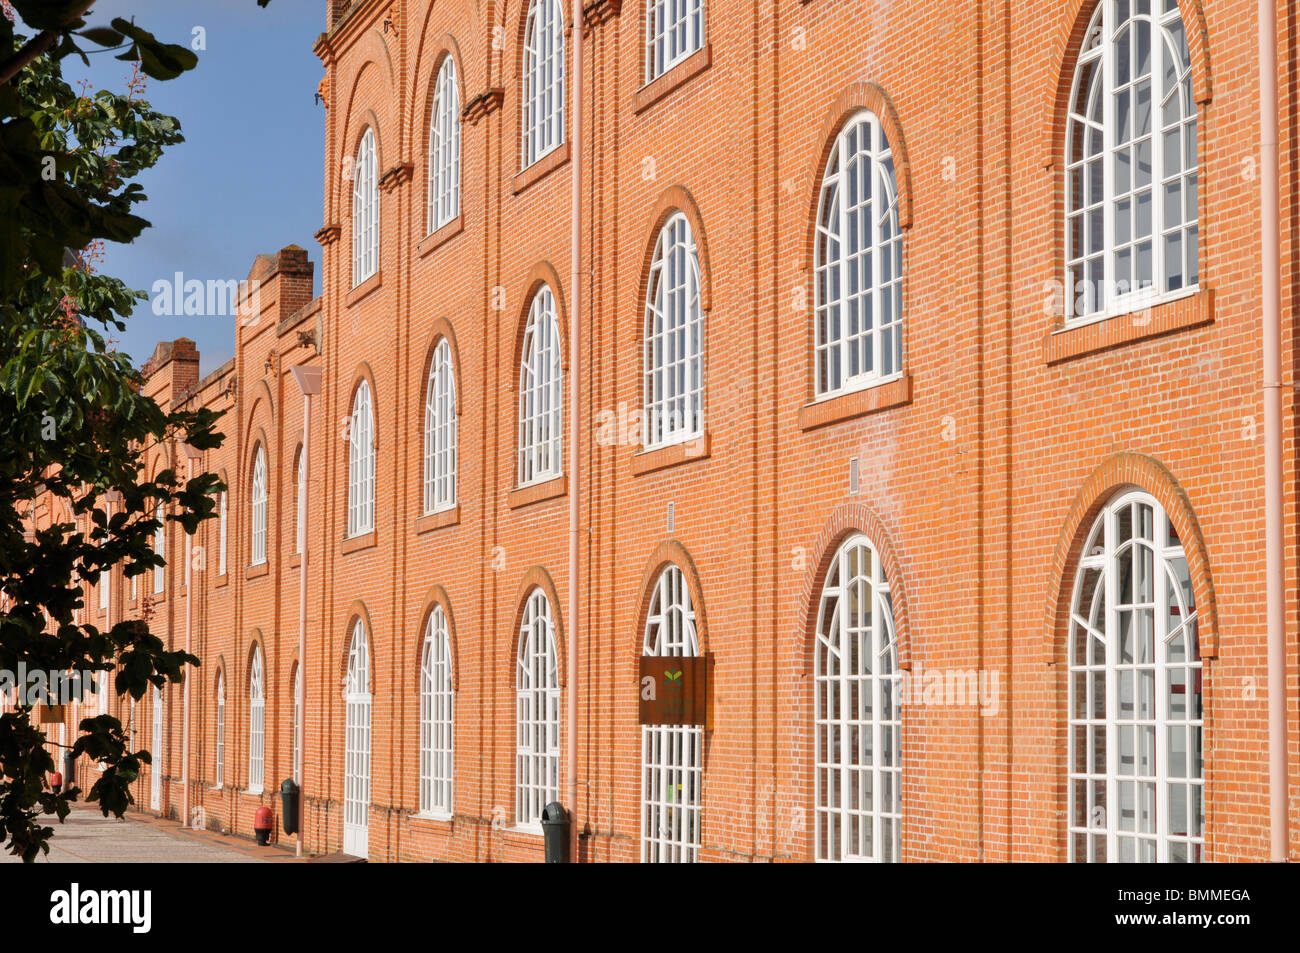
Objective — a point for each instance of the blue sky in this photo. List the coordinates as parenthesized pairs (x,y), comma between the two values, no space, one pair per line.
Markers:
(248,178)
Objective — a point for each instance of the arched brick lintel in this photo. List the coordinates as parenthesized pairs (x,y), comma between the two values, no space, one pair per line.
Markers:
(848,519)
(436,597)
(1121,471)
(1067,38)
(671,552)
(538,578)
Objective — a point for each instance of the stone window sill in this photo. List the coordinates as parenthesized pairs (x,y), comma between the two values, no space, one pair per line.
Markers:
(441,236)
(1190,311)
(539,169)
(537,492)
(436,821)
(254,572)
(431,521)
(829,410)
(677,76)
(358,543)
(362,290)
(661,458)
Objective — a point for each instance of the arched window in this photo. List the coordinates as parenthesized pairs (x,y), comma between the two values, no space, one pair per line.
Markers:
(543,98)
(221,537)
(675,30)
(221,731)
(1130,160)
(256,723)
(437,713)
(856,686)
(299,514)
(858,286)
(258,543)
(296,727)
(361,464)
(541,394)
(1137,778)
(356,750)
(365,211)
(537,709)
(672,756)
(674,343)
(160,547)
(440,432)
(444,148)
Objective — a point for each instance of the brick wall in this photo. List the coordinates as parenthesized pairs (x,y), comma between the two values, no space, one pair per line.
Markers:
(979,471)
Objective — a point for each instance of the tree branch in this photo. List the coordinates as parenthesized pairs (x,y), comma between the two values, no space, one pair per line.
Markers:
(39,44)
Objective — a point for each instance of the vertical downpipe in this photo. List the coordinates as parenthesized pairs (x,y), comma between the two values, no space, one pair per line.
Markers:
(300,700)
(575,422)
(1270,263)
(189,649)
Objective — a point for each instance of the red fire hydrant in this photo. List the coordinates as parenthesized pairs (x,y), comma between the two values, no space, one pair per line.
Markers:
(56,782)
(262,825)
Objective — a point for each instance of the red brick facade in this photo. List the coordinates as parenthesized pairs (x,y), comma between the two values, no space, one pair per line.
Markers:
(981,468)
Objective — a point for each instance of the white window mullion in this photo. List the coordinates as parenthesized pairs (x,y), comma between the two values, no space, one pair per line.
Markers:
(845,345)
(876,295)
(1106,294)
(1160,714)
(1112,691)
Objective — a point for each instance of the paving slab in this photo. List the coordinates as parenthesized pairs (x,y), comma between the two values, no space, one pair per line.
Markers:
(87,837)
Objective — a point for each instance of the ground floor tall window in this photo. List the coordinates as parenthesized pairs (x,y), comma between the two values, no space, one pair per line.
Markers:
(858,762)
(672,756)
(1137,778)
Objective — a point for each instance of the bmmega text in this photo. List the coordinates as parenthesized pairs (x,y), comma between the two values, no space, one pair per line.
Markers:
(1204,896)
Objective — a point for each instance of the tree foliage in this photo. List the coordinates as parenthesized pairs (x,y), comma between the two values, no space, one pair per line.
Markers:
(74,423)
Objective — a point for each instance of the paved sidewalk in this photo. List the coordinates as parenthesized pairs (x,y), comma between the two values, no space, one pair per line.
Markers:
(87,837)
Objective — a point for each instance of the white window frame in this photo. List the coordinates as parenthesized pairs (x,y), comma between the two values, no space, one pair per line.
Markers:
(1120,690)
(674,339)
(537,714)
(441,425)
(541,394)
(365,210)
(105,580)
(841,805)
(437,719)
(257,541)
(160,547)
(672,756)
(674,30)
(1103,93)
(156,749)
(444,148)
(256,724)
(357,744)
(544,80)
(220,746)
(361,463)
(221,539)
(858,324)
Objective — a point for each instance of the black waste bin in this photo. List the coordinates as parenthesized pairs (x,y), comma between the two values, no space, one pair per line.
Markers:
(555,833)
(69,770)
(289,805)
